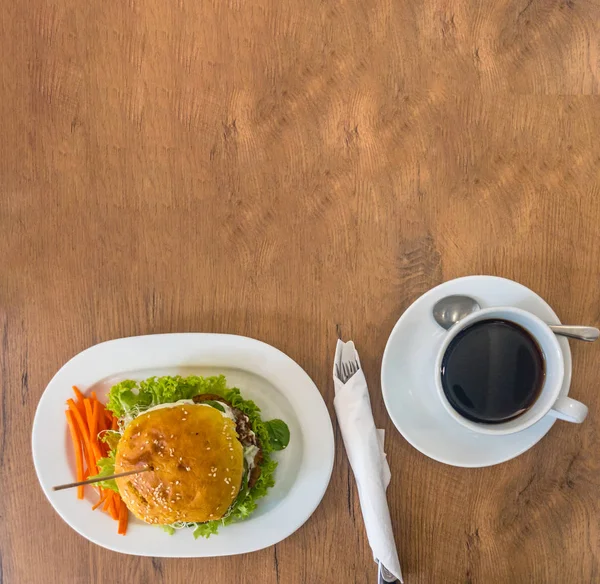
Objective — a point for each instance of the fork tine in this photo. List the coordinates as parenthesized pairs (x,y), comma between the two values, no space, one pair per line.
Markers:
(349,368)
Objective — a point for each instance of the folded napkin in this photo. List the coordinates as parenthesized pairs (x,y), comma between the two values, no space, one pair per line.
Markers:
(364,447)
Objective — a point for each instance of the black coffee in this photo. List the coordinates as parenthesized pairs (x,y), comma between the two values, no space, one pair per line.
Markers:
(492,371)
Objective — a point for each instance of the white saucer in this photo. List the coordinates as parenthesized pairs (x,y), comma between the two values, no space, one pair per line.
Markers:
(407,377)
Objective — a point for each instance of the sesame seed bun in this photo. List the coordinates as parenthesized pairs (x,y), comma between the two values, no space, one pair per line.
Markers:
(196,459)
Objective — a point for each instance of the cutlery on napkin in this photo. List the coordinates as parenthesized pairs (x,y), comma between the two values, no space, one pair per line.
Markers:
(364,447)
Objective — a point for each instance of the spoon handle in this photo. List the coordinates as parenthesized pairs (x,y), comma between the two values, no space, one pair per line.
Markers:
(583,333)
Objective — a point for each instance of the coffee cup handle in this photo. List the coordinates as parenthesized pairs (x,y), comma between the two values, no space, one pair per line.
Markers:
(566,408)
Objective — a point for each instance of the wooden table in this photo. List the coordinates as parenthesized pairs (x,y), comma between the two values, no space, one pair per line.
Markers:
(294,171)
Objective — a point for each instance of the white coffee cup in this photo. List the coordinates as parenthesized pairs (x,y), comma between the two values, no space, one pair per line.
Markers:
(549,401)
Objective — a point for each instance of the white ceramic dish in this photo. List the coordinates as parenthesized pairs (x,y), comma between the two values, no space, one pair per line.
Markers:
(280,387)
(408,377)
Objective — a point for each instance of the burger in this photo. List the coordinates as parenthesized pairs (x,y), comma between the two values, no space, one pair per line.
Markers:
(202,452)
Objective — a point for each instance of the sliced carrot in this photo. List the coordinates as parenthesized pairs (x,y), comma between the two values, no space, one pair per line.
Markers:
(123,519)
(82,428)
(96,451)
(87,417)
(88,414)
(85,436)
(94,423)
(77,446)
(78,394)
(112,507)
(79,401)
(94,444)
(101,424)
(101,499)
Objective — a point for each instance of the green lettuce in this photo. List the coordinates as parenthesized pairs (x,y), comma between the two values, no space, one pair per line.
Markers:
(107,468)
(130,398)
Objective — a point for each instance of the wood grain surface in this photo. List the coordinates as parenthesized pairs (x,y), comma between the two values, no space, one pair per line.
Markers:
(294,171)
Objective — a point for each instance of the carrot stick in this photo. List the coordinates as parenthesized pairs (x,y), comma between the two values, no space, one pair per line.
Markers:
(112,507)
(118,505)
(78,394)
(89,415)
(79,397)
(84,434)
(123,519)
(101,499)
(101,424)
(77,445)
(109,495)
(96,451)
(94,444)
(94,424)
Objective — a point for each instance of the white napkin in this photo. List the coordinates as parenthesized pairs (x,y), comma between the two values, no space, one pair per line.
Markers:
(364,447)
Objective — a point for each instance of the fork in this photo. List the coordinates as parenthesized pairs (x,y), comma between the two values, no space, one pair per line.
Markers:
(344,371)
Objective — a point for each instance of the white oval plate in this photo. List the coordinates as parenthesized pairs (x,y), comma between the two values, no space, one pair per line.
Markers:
(408,377)
(278,385)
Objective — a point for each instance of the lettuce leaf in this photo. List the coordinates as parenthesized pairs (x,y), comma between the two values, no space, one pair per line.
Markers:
(206,529)
(107,468)
(130,398)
